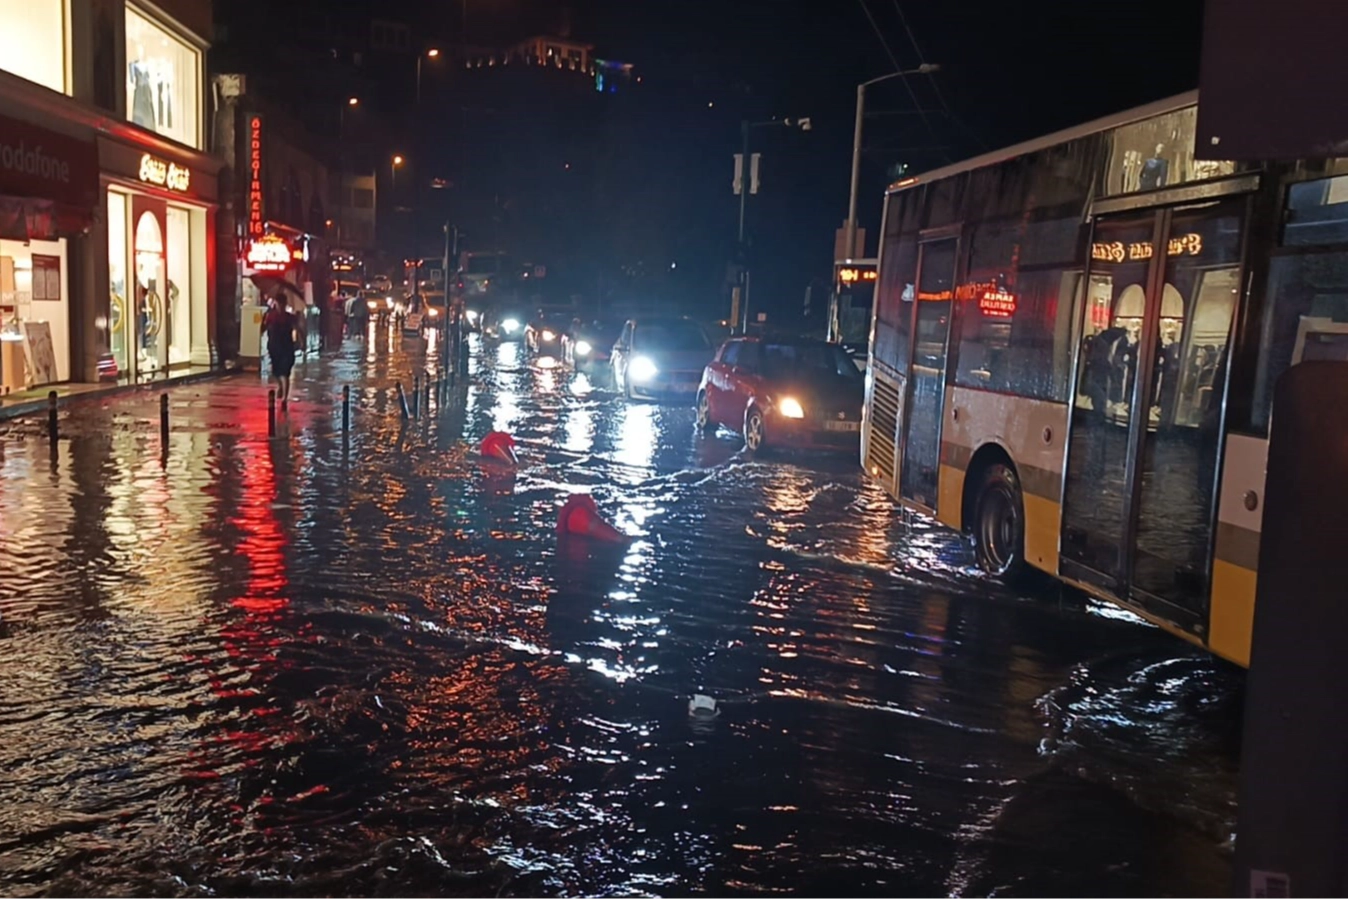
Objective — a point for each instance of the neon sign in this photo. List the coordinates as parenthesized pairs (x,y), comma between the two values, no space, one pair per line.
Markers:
(255,223)
(164,174)
(997,304)
(1184,245)
(270,254)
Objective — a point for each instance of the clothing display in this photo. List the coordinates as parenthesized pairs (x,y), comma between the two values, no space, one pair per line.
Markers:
(152,96)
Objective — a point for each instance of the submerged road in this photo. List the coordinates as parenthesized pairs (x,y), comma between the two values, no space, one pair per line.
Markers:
(294,666)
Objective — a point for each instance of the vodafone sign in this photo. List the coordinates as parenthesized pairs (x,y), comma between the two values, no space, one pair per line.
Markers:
(35,162)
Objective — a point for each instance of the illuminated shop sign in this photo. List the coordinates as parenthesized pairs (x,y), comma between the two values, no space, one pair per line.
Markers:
(270,254)
(997,303)
(852,274)
(164,174)
(1185,245)
(255,222)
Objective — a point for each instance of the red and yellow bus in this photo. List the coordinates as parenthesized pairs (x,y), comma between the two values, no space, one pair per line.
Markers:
(1074,348)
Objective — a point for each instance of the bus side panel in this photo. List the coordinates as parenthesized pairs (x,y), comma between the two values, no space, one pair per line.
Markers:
(1033,433)
(1236,553)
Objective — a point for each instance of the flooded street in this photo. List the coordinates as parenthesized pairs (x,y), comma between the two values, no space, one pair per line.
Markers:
(298,666)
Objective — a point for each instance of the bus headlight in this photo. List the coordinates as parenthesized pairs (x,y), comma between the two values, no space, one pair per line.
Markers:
(642,369)
(583,348)
(510,325)
(790,408)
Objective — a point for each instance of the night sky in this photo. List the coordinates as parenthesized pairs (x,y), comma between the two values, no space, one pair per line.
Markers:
(1009,71)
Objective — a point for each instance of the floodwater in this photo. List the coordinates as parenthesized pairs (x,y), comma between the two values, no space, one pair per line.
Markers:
(301,666)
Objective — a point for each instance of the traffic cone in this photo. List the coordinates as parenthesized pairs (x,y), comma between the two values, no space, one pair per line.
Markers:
(498,446)
(580,517)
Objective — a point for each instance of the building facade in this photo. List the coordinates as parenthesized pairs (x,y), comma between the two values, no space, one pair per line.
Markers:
(108,200)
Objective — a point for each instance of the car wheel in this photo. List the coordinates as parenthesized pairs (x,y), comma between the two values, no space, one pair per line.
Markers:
(755,434)
(703,413)
(999,524)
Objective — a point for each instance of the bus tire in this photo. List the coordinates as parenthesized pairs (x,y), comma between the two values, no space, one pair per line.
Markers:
(998,528)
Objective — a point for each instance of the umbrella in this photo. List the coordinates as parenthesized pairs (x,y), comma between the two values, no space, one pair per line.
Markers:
(268,284)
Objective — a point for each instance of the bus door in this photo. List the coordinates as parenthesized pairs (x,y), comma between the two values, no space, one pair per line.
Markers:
(1142,461)
(924,409)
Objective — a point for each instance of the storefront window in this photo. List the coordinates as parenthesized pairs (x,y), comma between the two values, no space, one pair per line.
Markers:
(163,80)
(34,313)
(119,321)
(33,41)
(178,326)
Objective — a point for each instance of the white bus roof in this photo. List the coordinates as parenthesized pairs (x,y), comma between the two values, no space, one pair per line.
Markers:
(1136,114)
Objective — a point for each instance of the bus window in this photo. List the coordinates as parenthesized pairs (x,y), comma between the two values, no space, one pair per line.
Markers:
(1020,340)
(1307,296)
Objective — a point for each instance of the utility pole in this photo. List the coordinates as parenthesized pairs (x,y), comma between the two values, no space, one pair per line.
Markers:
(746,182)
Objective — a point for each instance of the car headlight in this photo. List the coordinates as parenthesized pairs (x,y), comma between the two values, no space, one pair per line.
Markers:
(642,369)
(472,316)
(433,312)
(790,408)
(389,300)
(549,335)
(371,304)
(510,325)
(583,348)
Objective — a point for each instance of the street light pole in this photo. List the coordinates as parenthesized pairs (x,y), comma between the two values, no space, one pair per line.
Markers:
(849,247)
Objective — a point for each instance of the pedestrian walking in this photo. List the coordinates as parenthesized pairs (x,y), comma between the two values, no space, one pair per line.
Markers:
(280,327)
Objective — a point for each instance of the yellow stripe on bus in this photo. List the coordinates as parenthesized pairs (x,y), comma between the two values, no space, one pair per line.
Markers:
(1043,519)
(950,497)
(1231,620)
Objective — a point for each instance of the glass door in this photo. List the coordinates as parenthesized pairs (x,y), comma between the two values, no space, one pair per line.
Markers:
(1177,487)
(1138,504)
(920,470)
(1097,495)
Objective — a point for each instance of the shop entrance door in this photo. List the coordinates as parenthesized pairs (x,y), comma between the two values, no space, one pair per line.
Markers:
(150,288)
(1139,495)
(919,475)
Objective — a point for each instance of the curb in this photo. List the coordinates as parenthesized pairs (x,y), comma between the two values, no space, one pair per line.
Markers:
(22,410)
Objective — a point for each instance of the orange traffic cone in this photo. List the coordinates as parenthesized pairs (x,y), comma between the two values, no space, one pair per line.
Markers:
(580,518)
(498,446)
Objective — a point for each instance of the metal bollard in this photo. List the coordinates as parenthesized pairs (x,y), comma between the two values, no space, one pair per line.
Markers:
(271,413)
(402,400)
(346,408)
(163,423)
(52,431)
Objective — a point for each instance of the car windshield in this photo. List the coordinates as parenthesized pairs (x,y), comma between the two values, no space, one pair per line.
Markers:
(787,360)
(670,336)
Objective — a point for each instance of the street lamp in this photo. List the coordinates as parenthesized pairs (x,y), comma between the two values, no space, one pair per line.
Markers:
(393,171)
(849,247)
(432,53)
(746,164)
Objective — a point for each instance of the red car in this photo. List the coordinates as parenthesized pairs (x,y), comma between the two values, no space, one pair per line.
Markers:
(792,392)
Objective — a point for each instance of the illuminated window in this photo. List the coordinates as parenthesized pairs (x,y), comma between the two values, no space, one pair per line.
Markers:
(33,41)
(163,80)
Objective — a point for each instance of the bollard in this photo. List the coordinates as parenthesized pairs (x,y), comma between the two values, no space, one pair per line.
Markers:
(416,399)
(163,423)
(346,408)
(402,400)
(51,416)
(428,395)
(271,413)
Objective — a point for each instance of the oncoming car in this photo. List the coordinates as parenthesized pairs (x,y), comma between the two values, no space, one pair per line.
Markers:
(543,335)
(660,358)
(587,346)
(793,392)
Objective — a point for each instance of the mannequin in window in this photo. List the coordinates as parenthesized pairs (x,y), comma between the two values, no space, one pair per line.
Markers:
(1154,171)
(142,90)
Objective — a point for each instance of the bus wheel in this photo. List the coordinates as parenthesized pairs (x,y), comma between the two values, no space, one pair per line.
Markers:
(999,524)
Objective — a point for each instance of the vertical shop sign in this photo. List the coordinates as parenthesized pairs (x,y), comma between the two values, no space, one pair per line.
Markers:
(46,278)
(255,220)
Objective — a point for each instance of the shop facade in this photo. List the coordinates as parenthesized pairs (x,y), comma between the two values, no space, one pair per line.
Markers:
(108,204)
